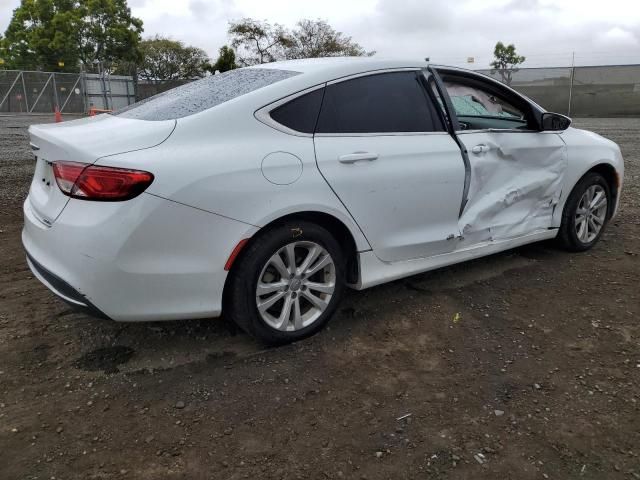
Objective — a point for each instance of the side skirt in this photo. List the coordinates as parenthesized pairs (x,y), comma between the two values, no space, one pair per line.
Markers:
(374,271)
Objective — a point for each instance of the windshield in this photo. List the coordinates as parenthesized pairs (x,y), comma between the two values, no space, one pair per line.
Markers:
(203,94)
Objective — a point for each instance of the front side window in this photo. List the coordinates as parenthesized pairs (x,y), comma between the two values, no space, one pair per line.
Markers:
(394,102)
(481,108)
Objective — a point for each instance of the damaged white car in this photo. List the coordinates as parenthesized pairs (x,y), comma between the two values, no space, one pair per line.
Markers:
(262,193)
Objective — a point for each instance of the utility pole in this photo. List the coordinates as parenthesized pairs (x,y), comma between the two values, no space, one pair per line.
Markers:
(573,72)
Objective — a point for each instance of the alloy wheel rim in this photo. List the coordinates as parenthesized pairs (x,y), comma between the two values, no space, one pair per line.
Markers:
(295,286)
(591,213)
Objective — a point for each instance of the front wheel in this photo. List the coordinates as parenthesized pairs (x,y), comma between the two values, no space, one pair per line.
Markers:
(586,213)
(288,283)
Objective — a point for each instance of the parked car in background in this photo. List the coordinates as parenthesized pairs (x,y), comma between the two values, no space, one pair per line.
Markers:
(262,193)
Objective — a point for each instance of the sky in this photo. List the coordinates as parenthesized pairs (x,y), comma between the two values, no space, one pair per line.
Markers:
(547,32)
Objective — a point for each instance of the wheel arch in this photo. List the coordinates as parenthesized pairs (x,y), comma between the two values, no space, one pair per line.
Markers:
(612,178)
(610,173)
(331,223)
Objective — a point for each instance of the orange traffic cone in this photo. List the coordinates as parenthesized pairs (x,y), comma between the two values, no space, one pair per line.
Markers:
(57,115)
(92,112)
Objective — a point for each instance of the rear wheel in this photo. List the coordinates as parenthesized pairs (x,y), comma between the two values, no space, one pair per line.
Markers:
(287,284)
(586,213)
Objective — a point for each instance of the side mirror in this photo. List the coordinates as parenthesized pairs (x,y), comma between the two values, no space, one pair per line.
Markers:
(554,122)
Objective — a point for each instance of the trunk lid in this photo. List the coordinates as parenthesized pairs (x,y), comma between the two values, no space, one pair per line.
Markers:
(84,141)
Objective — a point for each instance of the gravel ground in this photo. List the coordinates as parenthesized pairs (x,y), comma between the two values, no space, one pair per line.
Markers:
(522,365)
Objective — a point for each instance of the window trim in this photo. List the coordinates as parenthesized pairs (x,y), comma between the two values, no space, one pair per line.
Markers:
(419,71)
(373,72)
(496,130)
(380,134)
(264,114)
(431,85)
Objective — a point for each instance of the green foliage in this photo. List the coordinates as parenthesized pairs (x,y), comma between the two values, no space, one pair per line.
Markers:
(506,61)
(260,42)
(226,60)
(63,35)
(41,32)
(108,32)
(3,53)
(166,59)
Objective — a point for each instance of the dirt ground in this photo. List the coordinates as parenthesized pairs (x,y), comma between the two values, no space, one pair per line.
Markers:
(522,365)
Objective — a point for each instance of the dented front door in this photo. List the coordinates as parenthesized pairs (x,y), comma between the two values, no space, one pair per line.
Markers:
(516,182)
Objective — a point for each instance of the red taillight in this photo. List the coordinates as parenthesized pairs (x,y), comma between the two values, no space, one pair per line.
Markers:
(93,182)
(66,174)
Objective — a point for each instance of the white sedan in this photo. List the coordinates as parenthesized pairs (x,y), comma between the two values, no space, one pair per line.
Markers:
(264,192)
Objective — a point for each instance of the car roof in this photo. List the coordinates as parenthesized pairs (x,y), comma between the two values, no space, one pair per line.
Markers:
(315,71)
(336,67)
(311,72)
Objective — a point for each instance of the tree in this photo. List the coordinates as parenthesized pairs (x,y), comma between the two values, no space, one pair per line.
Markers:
(506,61)
(259,42)
(316,38)
(166,59)
(226,60)
(63,35)
(3,53)
(108,33)
(42,35)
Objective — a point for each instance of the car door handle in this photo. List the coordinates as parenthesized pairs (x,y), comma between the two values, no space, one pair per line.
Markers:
(480,149)
(358,156)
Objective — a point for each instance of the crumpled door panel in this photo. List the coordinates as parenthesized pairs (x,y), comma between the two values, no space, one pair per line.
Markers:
(515,184)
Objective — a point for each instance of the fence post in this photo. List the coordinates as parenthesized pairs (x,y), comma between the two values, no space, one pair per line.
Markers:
(104,90)
(55,91)
(83,86)
(110,94)
(24,91)
(573,72)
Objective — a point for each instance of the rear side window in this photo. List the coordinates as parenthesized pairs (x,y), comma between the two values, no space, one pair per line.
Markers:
(383,103)
(203,94)
(301,113)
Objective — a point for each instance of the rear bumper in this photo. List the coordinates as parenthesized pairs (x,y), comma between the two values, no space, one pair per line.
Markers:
(143,260)
(63,290)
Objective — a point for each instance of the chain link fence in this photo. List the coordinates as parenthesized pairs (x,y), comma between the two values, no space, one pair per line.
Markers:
(602,91)
(146,89)
(41,92)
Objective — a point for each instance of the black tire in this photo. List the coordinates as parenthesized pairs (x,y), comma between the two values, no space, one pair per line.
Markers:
(240,296)
(567,235)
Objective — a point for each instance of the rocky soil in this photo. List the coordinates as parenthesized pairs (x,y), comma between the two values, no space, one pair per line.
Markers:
(523,365)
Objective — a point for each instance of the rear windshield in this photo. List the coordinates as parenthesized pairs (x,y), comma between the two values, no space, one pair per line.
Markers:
(203,94)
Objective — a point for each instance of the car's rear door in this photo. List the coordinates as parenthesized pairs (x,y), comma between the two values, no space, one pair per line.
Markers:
(382,147)
(516,171)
